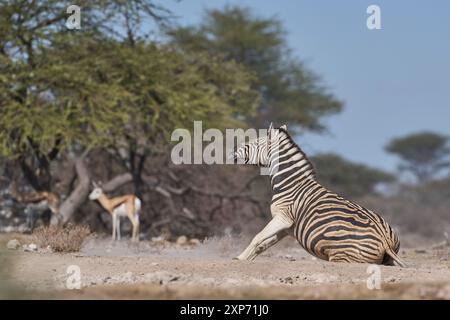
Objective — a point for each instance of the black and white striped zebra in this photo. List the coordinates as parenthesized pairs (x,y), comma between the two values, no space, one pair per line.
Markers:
(325,224)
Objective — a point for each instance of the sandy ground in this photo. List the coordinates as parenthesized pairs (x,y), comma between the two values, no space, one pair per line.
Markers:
(148,270)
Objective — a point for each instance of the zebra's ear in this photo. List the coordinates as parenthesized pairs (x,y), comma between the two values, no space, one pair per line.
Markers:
(284,127)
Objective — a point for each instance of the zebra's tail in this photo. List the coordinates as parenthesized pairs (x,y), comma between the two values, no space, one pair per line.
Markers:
(395,257)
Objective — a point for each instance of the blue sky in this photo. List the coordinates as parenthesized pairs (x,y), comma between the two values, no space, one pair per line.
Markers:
(393,81)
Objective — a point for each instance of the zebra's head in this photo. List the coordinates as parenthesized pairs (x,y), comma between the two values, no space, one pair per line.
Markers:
(256,152)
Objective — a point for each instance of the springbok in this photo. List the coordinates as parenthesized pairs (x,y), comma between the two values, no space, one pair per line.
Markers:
(38,202)
(123,206)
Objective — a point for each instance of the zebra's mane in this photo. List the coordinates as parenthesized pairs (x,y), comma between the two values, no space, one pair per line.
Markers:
(300,150)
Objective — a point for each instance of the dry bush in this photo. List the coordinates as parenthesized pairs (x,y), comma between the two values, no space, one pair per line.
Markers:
(62,239)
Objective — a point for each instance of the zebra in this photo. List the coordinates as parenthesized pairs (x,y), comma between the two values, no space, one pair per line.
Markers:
(325,225)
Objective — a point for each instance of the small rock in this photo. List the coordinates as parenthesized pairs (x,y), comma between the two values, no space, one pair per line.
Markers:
(13,244)
(154,264)
(194,241)
(289,257)
(391,279)
(287,280)
(420,251)
(158,239)
(30,248)
(182,240)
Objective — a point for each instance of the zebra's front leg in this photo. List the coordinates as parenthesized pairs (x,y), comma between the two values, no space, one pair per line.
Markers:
(263,246)
(273,232)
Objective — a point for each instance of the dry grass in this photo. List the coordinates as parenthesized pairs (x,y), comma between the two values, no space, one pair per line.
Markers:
(59,239)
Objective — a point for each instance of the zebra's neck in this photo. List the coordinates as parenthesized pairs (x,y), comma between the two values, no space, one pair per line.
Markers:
(288,163)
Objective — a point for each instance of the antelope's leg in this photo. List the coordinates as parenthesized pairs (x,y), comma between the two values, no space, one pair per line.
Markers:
(134,219)
(137,229)
(135,235)
(273,232)
(118,227)
(114,228)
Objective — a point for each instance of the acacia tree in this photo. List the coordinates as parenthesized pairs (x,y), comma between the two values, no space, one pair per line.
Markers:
(75,91)
(290,91)
(37,122)
(61,88)
(423,154)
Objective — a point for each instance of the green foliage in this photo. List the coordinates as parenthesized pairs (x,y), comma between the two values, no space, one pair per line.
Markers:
(87,89)
(64,89)
(346,177)
(59,99)
(290,92)
(424,154)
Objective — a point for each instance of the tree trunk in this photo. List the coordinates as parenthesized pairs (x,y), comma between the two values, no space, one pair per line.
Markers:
(79,195)
(117,181)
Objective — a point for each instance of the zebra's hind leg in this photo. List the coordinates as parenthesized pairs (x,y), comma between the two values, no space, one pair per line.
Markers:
(273,232)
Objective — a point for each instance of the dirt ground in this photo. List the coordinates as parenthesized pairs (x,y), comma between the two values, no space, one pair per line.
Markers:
(150,270)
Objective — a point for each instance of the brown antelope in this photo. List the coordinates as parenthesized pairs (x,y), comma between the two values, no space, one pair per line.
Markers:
(123,206)
(36,201)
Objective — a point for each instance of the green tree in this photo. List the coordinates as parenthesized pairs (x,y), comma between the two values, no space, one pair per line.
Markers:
(165,90)
(37,121)
(424,154)
(290,91)
(63,90)
(346,177)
